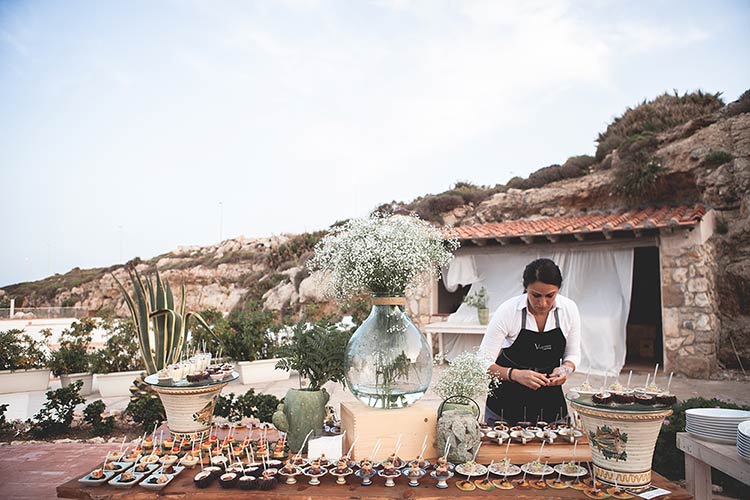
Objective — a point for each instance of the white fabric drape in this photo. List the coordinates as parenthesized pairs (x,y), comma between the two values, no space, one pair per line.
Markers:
(461,271)
(598,280)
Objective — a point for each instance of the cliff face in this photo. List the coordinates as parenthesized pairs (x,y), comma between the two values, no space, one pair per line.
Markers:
(705,160)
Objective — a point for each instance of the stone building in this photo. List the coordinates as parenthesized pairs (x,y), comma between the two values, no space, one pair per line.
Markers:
(672,316)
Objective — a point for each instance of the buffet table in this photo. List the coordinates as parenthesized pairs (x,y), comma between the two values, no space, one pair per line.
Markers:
(182,487)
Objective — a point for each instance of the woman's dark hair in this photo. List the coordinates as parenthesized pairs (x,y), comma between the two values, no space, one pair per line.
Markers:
(544,270)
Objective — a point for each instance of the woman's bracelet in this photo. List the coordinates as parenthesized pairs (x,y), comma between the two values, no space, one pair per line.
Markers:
(510,370)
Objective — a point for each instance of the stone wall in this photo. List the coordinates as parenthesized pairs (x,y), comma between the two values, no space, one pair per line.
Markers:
(690,311)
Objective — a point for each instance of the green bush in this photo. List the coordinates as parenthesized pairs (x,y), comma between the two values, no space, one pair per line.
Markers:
(261,406)
(120,352)
(56,415)
(246,334)
(3,421)
(716,158)
(19,351)
(638,181)
(659,114)
(73,354)
(92,415)
(145,408)
(669,461)
(317,353)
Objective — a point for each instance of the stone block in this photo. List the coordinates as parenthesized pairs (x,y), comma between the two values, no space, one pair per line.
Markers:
(706,349)
(701,299)
(680,275)
(671,321)
(697,285)
(703,322)
(694,366)
(705,337)
(673,344)
(672,296)
(687,351)
(689,339)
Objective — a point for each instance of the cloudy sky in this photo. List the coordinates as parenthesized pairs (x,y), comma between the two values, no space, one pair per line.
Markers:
(130,128)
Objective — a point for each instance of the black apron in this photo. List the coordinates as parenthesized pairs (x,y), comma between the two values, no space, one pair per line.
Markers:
(538,351)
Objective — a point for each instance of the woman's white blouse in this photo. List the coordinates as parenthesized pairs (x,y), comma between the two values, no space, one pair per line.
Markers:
(506,324)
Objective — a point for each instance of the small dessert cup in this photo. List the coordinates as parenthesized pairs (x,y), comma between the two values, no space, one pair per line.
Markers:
(442,479)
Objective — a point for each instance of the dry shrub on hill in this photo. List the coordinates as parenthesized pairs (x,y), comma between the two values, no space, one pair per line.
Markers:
(657,115)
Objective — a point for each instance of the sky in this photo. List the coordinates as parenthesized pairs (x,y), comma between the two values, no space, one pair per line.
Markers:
(131,128)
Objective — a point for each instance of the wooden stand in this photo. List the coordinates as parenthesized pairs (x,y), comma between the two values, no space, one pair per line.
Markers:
(370,424)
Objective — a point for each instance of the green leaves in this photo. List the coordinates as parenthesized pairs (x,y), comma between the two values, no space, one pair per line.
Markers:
(317,353)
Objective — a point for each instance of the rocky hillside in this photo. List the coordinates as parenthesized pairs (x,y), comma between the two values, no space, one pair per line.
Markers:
(673,149)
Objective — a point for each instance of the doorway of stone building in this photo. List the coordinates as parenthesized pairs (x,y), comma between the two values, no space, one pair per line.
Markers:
(644,339)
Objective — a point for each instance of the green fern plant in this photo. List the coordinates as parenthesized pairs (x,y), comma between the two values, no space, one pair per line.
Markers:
(162,329)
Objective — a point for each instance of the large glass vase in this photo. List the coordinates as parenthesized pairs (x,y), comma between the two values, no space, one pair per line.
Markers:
(388,360)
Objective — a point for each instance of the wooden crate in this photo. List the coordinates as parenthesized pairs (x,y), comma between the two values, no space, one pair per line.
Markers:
(370,424)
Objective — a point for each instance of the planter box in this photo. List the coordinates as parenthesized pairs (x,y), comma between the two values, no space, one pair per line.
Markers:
(116,384)
(87,378)
(263,370)
(24,380)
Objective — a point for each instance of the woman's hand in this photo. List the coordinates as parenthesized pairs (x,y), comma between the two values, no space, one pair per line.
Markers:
(530,378)
(560,375)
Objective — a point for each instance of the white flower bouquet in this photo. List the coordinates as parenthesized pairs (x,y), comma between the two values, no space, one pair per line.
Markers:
(466,377)
(381,254)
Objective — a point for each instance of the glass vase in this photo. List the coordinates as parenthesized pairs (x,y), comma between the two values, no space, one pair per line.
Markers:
(388,360)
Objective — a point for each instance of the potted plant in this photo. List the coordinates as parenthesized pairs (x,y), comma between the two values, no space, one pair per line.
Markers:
(118,363)
(389,362)
(479,300)
(23,361)
(72,359)
(317,353)
(246,337)
(464,381)
(162,328)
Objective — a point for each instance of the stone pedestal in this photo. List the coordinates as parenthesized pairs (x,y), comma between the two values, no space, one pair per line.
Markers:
(371,424)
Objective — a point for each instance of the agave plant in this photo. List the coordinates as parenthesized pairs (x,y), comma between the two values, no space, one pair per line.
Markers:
(162,330)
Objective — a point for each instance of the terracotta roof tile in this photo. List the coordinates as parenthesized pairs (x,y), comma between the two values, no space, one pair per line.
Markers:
(624,220)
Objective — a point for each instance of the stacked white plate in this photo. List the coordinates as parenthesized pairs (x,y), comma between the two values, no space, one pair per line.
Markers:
(743,440)
(715,424)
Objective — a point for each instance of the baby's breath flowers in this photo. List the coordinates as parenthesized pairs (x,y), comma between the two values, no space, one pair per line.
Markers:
(466,377)
(381,254)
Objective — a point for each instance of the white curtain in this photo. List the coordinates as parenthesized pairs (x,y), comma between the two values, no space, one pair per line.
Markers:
(598,280)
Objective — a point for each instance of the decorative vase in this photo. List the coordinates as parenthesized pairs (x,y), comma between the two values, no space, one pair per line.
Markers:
(301,412)
(388,360)
(622,442)
(483,314)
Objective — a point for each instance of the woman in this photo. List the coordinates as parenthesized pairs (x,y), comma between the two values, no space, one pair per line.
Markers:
(534,339)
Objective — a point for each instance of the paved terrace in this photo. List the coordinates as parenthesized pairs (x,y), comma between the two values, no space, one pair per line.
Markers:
(32,471)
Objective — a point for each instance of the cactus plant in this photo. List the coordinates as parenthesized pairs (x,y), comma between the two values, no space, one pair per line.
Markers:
(162,330)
